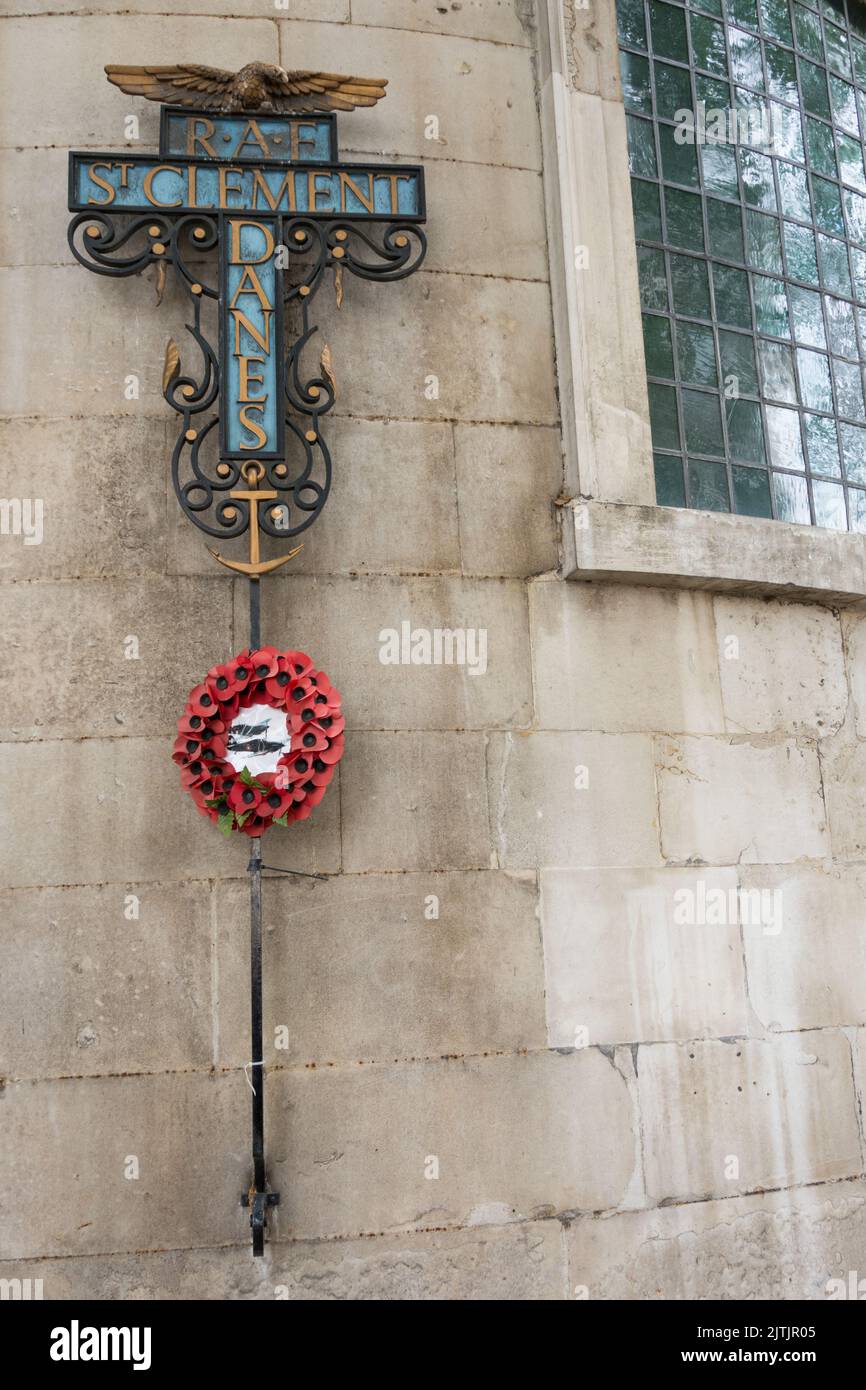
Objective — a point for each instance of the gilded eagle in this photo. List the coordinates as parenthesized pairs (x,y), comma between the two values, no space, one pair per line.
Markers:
(255,87)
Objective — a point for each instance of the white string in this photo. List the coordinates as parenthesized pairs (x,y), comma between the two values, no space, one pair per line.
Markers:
(246,1065)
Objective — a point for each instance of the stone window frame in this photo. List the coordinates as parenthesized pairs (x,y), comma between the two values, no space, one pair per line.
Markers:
(612,528)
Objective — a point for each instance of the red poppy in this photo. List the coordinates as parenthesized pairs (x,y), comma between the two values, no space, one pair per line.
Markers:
(229,794)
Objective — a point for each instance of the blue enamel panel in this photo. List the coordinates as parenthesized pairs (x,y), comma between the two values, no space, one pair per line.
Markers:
(250,363)
(140,184)
(278,139)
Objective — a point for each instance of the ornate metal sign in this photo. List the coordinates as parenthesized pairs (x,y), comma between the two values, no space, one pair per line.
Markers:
(260,197)
(249,202)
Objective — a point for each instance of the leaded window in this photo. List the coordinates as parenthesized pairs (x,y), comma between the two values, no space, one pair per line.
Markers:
(751,245)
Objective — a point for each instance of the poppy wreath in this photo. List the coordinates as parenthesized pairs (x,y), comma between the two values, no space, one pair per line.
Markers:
(313,744)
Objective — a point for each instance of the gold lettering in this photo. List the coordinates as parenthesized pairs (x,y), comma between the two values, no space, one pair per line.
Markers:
(261,438)
(235,225)
(124,166)
(242,322)
(225,187)
(317,191)
(287,187)
(394,179)
(296,140)
(198,131)
(253,136)
(255,287)
(349,183)
(101,183)
(148,185)
(192,185)
(246,376)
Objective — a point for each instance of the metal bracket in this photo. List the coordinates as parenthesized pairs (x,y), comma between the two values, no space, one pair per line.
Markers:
(259,1203)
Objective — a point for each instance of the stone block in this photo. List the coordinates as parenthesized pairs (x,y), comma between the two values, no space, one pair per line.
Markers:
(357,970)
(500,21)
(350,625)
(728,802)
(523,1261)
(482,93)
(69,1145)
(127,653)
(563,800)
(84,109)
(728,1117)
(120,815)
(89,988)
(509,1135)
(100,515)
(781,667)
(775,1246)
(507,478)
(594,669)
(843,770)
(487,342)
(630,957)
(809,973)
(414,801)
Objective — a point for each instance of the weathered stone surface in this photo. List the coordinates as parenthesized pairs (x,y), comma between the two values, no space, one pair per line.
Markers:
(481,92)
(188,1134)
(119,814)
(364,621)
(539,817)
(723,1118)
(486,342)
(522,1261)
(501,21)
(509,1133)
(414,801)
(129,651)
(336,11)
(507,478)
(357,969)
(66,464)
(724,802)
(85,109)
(781,667)
(88,988)
(843,770)
(627,961)
(779,1245)
(484,219)
(113,342)
(594,669)
(808,974)
(712,550)
(392,507)
(854,633)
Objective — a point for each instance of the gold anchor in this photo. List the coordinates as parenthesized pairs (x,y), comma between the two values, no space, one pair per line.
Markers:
(252,473)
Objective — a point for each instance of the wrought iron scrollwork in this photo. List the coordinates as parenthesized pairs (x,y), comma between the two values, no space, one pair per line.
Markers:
(122,246)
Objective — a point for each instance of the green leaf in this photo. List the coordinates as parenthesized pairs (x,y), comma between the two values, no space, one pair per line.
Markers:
(246,776)
(281,820)
(225,822)
(242,818)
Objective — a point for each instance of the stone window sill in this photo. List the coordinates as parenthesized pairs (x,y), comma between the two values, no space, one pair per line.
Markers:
(616,542)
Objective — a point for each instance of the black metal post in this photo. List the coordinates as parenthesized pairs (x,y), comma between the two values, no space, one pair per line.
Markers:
(258,1198)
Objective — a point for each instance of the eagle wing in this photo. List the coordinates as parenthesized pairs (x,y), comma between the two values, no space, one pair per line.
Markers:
(322,91)
(187,84)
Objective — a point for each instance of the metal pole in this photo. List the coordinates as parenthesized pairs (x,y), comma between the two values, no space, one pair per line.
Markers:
(258,1199)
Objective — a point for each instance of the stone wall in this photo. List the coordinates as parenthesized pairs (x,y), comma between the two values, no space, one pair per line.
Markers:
(512,1071)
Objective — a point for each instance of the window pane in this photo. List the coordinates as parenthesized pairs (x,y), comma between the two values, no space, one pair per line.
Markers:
(751,491)
(709,485)
(752,251)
